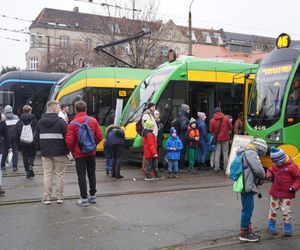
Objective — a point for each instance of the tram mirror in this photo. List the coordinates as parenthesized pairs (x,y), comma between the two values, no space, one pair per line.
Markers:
(171,56)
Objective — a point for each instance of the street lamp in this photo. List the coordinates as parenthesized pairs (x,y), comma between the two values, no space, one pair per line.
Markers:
(190,29)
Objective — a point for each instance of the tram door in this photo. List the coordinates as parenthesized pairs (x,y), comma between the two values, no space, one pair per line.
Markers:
(201,99)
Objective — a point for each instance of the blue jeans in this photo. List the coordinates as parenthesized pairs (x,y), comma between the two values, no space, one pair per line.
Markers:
(247,200)
(108,164)
(15,151)
(202,152)
(172,166)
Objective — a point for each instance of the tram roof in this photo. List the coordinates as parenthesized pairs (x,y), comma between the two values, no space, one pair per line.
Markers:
(193,63)
(31,75)
(281,55)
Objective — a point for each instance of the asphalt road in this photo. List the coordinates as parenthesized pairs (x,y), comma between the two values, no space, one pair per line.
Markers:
(191,212)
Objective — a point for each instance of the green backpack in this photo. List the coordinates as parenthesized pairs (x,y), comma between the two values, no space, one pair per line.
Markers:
(238,185)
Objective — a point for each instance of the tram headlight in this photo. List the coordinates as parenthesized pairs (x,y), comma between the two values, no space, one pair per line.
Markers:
(275,136)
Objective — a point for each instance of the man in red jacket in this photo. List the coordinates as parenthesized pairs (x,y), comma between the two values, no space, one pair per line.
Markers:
(220,127)
(85,162)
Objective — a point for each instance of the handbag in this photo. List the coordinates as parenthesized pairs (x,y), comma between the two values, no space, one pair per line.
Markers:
(238,185)
(214,139)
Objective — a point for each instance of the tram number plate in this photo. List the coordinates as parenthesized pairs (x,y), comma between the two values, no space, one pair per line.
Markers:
(122,93)
(260,127)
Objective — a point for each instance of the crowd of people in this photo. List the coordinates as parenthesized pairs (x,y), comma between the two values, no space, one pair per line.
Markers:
(196,139)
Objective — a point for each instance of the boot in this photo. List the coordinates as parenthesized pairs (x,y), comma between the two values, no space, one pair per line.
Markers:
(31,171)
(287,229)
(245,235)
(272,227)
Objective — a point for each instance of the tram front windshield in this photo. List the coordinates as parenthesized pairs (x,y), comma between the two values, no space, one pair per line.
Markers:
(143,95)
(267,94)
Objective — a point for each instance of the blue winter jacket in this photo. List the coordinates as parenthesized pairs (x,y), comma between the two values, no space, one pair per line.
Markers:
(202,127)
(173,142)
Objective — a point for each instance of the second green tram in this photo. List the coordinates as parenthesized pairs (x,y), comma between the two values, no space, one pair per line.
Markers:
(99,88)
(203,84)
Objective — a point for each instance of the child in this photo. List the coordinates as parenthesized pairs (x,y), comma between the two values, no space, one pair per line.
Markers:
(150,150)
(253,174)
(285,176)
(173,147)
(192,137)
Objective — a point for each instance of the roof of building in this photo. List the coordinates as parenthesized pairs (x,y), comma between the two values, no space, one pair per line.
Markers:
(211,51)
(63,19)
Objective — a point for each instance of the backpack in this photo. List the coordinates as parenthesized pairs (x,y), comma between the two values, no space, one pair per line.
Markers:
(139,126)
(236,167)
(86,137)
(26,134)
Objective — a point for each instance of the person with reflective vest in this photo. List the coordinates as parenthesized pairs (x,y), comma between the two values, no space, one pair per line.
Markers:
(192,138)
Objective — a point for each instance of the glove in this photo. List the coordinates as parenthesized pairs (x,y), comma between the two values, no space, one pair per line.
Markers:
(292,190)
(271,178)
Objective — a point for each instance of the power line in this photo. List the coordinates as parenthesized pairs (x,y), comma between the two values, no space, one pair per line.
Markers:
(14,39)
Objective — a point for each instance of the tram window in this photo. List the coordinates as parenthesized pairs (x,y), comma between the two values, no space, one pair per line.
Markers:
(7,98)
(293,103)
(168,105)
(230,105)
(70,99)
(100,103)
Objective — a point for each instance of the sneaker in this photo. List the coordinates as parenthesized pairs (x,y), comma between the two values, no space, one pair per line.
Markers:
(92,199)
(60,201)
(175,175)
(119,176)
(15,169)
(245,235)
(83,202)
(2,192)
(193,171)
(182,170)
(46,201)
(107,172)
(149,178)
(169,175)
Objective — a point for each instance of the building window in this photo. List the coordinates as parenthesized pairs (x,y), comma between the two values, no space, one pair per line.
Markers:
(218,38)
(36,40)
(114,27)
(127,49)
(63,41)
(88,43)
(207,38)
(34,63)
(170,34)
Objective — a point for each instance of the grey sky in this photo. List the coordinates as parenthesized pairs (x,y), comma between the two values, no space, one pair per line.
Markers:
(267,18)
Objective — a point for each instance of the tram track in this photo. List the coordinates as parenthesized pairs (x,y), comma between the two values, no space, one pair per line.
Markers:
(115,194)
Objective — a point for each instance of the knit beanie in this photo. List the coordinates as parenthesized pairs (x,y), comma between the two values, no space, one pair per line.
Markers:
(277,155)
(261,146)
(7,109)
(201,115)
(218,109)
(149,125)
(192,120)
(185,107)
(151,104)
(172,130)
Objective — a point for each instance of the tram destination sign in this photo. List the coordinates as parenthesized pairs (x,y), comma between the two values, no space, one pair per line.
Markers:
(283,41)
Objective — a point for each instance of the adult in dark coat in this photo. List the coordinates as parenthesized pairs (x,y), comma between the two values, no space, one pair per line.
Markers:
(28,149)
(3,139)
(184,122)
(115,139)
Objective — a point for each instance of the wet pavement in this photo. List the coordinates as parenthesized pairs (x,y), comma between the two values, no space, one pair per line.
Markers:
(191,212)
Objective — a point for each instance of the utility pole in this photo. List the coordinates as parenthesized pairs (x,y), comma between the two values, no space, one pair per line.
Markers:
(190,29)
